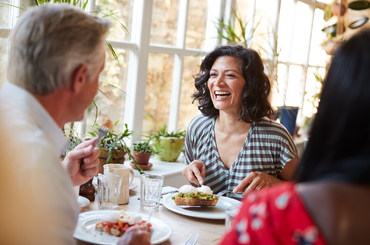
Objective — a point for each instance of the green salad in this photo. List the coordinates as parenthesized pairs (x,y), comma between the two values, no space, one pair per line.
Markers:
(200,195)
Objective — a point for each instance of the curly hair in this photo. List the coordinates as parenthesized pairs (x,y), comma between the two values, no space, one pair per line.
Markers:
(256,91)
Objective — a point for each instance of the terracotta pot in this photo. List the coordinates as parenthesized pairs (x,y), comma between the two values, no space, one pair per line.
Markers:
(338,9)
(142,158)
(103,159)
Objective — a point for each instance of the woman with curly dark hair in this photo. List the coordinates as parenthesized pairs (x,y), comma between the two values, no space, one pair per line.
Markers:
(234,145)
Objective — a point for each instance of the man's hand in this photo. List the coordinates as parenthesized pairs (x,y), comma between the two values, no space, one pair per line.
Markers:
(136,235)
(195,172)
(82,162)
(255,181)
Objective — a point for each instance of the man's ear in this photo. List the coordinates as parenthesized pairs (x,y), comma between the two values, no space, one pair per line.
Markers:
(79,79)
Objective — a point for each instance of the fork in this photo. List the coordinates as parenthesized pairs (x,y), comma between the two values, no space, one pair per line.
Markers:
(103,131)
(192,240)
(223,192)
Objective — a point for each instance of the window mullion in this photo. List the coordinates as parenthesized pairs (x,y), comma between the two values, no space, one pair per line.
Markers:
(305,65)
(137,77)
(178,66)
(214,14)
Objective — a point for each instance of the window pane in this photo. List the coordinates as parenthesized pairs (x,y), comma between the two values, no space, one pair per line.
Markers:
(308,103)
(196,24)
(286,24)
(242,11)
(294,92)
(188,110)
(113,107)
(317,54)
(3,61)
(280,88)
(158,92)
(262,23)
(123,10)
(301,36)
(5,15)
(164,22)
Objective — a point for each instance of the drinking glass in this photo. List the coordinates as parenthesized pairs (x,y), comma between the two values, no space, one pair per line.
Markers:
(109,190)
(151,190)
(230,214)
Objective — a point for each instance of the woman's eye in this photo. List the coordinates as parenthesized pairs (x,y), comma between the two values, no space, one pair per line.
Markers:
(230,75)
(213,75)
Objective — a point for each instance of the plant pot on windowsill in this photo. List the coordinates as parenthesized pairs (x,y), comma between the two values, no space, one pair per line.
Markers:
(142,159)
(168,148)
(116,158)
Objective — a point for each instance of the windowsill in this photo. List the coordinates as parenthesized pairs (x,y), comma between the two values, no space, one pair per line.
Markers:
(171,171)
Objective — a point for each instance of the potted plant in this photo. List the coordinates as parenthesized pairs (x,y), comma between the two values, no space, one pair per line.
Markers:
(167,146)
(113,147)
(142,152)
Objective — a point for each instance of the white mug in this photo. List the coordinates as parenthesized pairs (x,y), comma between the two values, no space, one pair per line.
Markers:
(127,175)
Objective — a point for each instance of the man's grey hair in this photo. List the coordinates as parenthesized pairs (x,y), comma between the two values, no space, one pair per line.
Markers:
(50,42)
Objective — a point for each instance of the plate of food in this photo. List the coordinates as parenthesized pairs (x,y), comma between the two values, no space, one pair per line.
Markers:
(92,226)
(199,203)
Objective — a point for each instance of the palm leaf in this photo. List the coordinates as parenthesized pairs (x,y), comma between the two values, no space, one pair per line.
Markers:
(13,6)
(113,52)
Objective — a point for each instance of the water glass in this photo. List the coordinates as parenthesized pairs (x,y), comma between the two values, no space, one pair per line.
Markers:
(151,190)
(230,214)
(109,190)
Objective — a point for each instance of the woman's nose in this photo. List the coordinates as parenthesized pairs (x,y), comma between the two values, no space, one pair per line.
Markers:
(219,81)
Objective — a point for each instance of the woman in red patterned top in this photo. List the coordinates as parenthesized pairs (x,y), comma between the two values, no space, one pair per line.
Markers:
(330,203)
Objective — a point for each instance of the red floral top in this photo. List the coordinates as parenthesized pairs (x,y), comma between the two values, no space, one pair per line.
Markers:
(274,216)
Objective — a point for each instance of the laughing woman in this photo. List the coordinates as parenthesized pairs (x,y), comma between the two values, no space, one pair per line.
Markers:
(234,145)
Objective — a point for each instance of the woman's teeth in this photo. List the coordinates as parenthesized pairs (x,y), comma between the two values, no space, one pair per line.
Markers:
(222,94)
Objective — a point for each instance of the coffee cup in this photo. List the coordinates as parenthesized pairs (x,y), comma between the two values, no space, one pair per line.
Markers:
(127,175)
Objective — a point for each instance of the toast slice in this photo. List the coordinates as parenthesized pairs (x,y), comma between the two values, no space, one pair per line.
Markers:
(194,201)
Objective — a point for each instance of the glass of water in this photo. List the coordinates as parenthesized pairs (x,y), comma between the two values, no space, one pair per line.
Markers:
(230,214)
(109,190)
(151,190)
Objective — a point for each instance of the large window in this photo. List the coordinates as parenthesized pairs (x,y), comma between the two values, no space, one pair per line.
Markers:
(165,41)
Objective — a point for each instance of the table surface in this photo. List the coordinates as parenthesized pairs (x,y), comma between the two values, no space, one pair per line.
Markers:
(210,230)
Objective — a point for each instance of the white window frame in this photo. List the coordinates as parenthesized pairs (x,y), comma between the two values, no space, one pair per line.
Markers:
(140,48)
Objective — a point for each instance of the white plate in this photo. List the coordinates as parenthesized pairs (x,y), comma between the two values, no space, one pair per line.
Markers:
(83,201)
(133,185)
(85,229)
(216,212)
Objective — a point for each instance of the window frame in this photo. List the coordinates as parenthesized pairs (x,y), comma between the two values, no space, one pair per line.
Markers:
(140,48)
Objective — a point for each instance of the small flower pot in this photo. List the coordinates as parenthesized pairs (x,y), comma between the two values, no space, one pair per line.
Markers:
(142,158)
(103,159)
(169,148)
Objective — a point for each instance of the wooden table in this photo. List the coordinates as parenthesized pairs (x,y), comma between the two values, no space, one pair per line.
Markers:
(211,231)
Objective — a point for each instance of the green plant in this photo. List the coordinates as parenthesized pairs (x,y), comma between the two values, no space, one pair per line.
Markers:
(115,143)
(157,148)
(167,145)
(143,147)
(72,136)
(163,133)
(314,100)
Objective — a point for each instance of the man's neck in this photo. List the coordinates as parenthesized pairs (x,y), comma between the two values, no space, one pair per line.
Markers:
(55,104)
